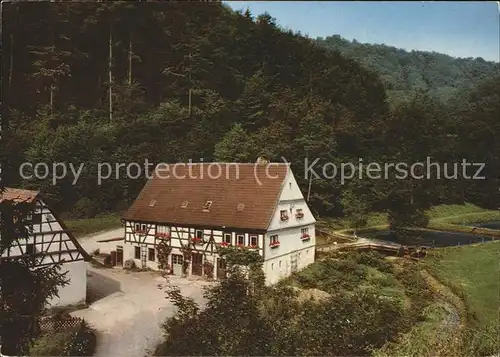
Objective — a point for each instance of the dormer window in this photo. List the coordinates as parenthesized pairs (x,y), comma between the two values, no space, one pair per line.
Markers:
(207,205)
(152,203)
(184,204)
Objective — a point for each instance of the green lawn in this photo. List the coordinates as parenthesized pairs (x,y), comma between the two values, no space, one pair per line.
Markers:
(462,214)
(81,227)
(473,273)
(439,217)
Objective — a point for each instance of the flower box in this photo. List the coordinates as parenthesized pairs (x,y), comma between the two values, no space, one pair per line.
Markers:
(274,244)
(299,215)
(162,235)
(197,241)
(284,218)
(305,237)
(224,244)
(139,232)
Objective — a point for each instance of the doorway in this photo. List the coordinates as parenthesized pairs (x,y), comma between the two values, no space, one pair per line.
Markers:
(197,261)
(221,268)
(119,255)
(177,260)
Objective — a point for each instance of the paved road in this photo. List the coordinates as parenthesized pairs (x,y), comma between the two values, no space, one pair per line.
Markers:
(129,307)
(89,243)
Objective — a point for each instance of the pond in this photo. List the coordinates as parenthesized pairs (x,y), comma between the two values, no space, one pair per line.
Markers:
(431,238)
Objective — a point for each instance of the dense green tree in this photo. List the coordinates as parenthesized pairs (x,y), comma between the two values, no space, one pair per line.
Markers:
(25,291)
(179,83)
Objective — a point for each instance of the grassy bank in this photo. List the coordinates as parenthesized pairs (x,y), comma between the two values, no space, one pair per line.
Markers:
(450,227)
(442,217)
(82,227)
(471,272)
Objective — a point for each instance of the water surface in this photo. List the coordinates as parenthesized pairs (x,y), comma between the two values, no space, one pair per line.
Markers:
(432,238)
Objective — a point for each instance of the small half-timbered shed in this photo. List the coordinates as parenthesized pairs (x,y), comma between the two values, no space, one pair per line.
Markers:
(254,206)
(50,242)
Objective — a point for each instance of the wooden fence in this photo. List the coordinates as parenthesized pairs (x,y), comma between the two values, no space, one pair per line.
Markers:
(52,324)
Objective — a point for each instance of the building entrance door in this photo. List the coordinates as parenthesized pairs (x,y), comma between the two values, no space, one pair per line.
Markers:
(177,262)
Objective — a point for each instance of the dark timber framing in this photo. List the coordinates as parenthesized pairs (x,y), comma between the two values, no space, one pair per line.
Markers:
(48,244)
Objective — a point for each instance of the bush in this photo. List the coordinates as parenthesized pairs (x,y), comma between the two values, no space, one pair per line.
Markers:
(84,342)
(51,344)
(80,342)
(330,275)
(374,260)
(85,208)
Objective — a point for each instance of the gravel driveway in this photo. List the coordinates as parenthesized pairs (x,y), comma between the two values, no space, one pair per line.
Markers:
(130,307)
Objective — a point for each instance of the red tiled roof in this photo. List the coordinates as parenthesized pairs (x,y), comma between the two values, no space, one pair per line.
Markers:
(256,187)
(18,195)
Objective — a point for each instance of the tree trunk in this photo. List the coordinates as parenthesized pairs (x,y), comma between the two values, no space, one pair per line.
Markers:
(190,86)
(51,88)
(411,192)
(11,62)
(130,60)
(110,74)
(99,89)
(51,98)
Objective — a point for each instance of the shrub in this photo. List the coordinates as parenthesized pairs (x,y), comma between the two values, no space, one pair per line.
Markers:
(80,342)
(374,260)
(330,275)
(53,344)
(85,208)
(84,342)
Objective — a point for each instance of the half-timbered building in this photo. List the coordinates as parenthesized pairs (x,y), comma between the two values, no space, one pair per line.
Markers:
(49,242)
(253,206)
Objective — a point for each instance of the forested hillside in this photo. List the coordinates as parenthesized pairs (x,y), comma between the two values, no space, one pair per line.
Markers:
(404,72)
(168,82)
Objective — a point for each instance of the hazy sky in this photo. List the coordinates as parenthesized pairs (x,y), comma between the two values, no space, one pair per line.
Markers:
(460,29)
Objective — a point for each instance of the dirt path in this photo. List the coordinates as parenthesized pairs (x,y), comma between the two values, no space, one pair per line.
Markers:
(131,309)
(452,303)
(89,243)
(128,308)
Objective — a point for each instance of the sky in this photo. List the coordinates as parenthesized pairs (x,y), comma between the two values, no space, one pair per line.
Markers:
(459,29)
